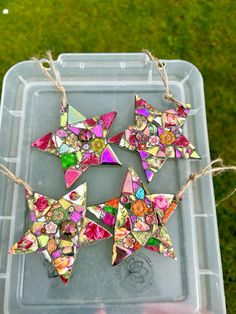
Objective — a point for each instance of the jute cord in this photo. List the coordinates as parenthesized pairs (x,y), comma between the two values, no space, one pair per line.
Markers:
(6,172)
(56,80)
(211,168)
(226,197)
(163,74)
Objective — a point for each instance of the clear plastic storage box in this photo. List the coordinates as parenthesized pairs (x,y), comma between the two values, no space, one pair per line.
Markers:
(95,84)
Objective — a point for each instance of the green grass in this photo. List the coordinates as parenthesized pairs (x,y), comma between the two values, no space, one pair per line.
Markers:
(202,32)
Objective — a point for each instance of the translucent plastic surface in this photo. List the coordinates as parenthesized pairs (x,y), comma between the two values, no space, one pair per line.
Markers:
(96,84)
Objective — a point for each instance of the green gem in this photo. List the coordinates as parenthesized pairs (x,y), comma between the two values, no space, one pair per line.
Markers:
(153,242)
(127,206)
(68,160)
(111,210)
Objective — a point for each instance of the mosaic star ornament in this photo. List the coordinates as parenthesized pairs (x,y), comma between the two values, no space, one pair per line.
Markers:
(156,136)
(59,228)
(79,143)
(139,219)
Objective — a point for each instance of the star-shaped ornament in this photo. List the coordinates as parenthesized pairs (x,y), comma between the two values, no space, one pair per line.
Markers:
(156,136)
(59,228)
(79,143)
(139,219)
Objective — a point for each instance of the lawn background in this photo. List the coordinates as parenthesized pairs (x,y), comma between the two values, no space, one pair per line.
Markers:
(201,32)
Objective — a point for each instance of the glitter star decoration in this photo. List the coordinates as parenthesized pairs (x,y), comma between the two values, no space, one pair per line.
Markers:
(59,228)
(139,219)
(79,143)
(156,136)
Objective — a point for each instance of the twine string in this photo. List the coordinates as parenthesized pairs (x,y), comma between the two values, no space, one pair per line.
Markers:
(226,197)
(209,169)
(216,170)
(56,80)
(162,71)
(6,172)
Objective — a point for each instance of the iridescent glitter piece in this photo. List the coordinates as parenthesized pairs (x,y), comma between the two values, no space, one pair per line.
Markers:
(79,143)
(59,228)
(156,136)
(138,218)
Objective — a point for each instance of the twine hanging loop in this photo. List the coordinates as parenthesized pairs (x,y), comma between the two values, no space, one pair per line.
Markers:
(6,172)
(216,170)
(55,78)
(211,168)
(163,74)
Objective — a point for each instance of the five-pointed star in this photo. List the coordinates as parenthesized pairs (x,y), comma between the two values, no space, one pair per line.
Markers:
(156,136)
(138,218)
(59,228)
(80,143)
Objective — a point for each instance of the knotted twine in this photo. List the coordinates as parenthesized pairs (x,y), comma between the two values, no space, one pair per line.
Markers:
(215,170)
(6,172)
(162,71)
(56,80)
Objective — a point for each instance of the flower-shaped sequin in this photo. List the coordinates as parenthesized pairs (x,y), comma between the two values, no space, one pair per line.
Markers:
(51,227)
(167,137)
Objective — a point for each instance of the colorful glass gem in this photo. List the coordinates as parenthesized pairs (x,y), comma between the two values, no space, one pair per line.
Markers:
(58,229)
(68,160)
(156,136)
(138,219)
(80,143)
